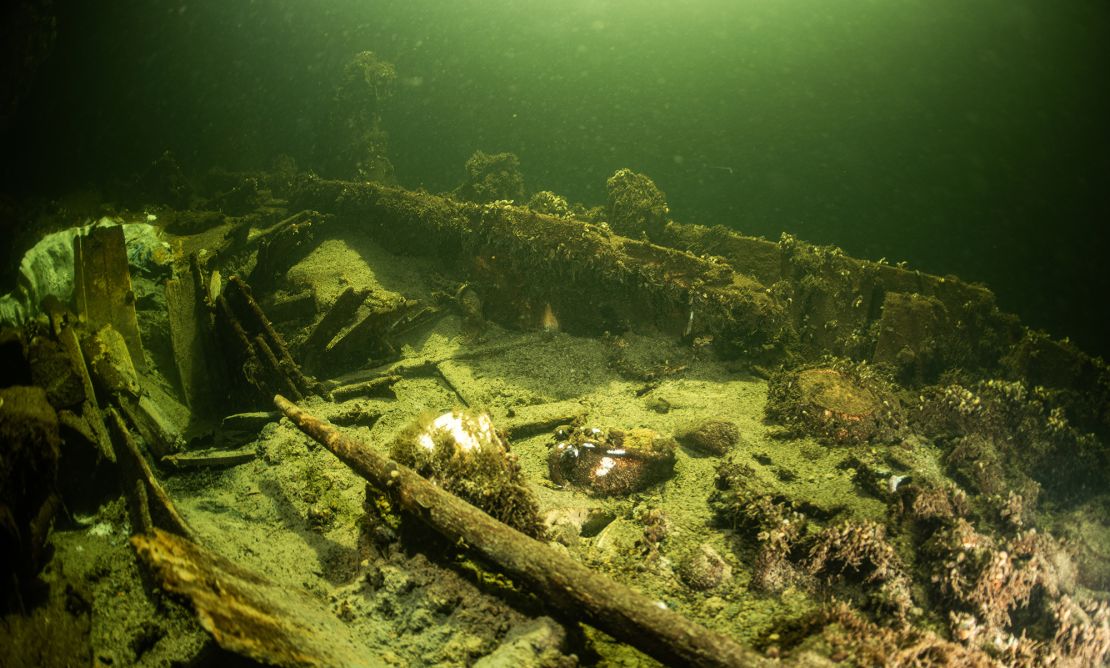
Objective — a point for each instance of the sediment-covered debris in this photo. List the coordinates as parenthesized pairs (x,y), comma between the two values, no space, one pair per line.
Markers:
(713,437)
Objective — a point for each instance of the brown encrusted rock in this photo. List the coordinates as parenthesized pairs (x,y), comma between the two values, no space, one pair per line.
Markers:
(713,437)
(610,462)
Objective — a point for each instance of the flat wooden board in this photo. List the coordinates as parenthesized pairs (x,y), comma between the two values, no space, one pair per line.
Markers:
(102,286)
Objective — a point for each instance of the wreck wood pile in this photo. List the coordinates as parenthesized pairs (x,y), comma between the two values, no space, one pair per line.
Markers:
(593,279)
(766,302)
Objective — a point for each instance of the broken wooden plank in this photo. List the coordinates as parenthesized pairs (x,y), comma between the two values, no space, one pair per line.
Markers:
(575,590)
(338,316)
(158,432)
(211,458)
(110,362)
(249,421)
(102,285)
(62,324)
(368,338)
(248,614)
(192,347)
(382,386)
(241,428)
(141,472)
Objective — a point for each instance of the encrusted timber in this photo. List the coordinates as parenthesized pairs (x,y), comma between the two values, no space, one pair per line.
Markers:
(969,333)
(259,350)
(837,301)
(591,277)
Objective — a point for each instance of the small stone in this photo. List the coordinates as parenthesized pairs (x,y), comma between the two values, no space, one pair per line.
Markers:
(704,569)
(712,437)
(565,525)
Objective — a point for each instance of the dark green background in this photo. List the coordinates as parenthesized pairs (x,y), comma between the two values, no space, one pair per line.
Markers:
(965,136)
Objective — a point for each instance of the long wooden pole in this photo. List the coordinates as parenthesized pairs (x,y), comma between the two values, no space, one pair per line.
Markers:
(570,587)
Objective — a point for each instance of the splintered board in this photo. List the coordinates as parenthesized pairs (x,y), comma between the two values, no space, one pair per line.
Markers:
(102,286)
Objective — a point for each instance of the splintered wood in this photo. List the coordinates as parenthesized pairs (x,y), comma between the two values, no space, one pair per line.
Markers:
(247,613)
(253,345)
(102,285)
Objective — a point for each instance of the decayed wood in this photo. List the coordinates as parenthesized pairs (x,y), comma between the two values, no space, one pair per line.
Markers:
(423,367)
(244,309)
(259,353)
(158,433)
(367,338)
(528,421)
(214,458)
(592,278)
(240,352)
(133,458)
(248,614)
(90,408)
(272,362)
(281,245)
(575,590)
(338,316)
(382,386)
(191,336)
(110,365)
(102,285)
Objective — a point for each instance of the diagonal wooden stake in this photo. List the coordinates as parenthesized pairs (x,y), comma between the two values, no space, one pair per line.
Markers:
(573,589)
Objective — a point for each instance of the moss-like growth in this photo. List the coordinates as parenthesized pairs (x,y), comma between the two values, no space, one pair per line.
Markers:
(769,520)
(491,177)
(636,205)
(359,146)
(860,551)
(1005,435)
(548,202)
(463,453)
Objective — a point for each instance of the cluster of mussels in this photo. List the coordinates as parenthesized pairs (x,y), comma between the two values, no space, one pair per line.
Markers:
(462,452)
(610,462)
